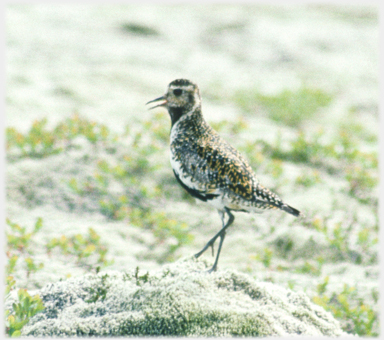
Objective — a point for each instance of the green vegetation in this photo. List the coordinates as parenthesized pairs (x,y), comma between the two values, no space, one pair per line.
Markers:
(140,279)
(353,313)
(26,307)
(19,247)
(164,229)
(101,290)
(41,141)
(311,268)
(232,127)
(265,257)
(361,182)
(288,107)
(36,143)
(87,251)
(340,237)
(340,156)
(309,178)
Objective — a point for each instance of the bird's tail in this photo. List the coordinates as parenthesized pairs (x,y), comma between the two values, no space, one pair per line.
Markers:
(291,210)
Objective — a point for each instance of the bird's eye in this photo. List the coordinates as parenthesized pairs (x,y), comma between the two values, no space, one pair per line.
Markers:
(177,92)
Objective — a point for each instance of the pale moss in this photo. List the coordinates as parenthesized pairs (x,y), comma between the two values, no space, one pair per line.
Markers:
(182,299)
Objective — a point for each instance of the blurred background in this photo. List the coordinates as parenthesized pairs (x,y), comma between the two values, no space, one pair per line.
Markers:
(107,61)
(293,87)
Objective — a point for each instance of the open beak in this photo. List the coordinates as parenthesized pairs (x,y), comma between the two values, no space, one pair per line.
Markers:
(156,100)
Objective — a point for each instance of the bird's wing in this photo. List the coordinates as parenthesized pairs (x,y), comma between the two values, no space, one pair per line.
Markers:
(214,167)
(211,168)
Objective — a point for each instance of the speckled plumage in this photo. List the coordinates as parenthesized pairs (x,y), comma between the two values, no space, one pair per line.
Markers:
(207,166)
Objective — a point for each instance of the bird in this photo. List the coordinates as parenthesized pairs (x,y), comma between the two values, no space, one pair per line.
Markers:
(208,167)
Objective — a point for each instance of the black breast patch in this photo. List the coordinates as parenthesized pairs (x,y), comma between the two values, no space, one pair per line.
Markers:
(195,193)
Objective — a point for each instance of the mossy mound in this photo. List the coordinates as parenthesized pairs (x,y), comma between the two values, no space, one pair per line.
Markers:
(180,300)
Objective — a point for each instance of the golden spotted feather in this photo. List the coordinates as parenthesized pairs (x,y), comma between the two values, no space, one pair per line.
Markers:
(210,168)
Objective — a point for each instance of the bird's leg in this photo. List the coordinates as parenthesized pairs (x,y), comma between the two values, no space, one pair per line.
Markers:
(221,233)
(212,241)
(222,236)
(209,244)
(222,216)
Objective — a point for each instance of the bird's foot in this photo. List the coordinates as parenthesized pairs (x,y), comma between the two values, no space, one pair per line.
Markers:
(213,269)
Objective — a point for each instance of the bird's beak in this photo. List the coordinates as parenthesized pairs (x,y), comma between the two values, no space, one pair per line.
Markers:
(156,100)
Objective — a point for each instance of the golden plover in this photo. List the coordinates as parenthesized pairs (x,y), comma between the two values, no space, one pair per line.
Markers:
(207,166)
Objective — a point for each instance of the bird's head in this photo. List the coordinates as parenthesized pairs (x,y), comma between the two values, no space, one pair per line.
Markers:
(182,97)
